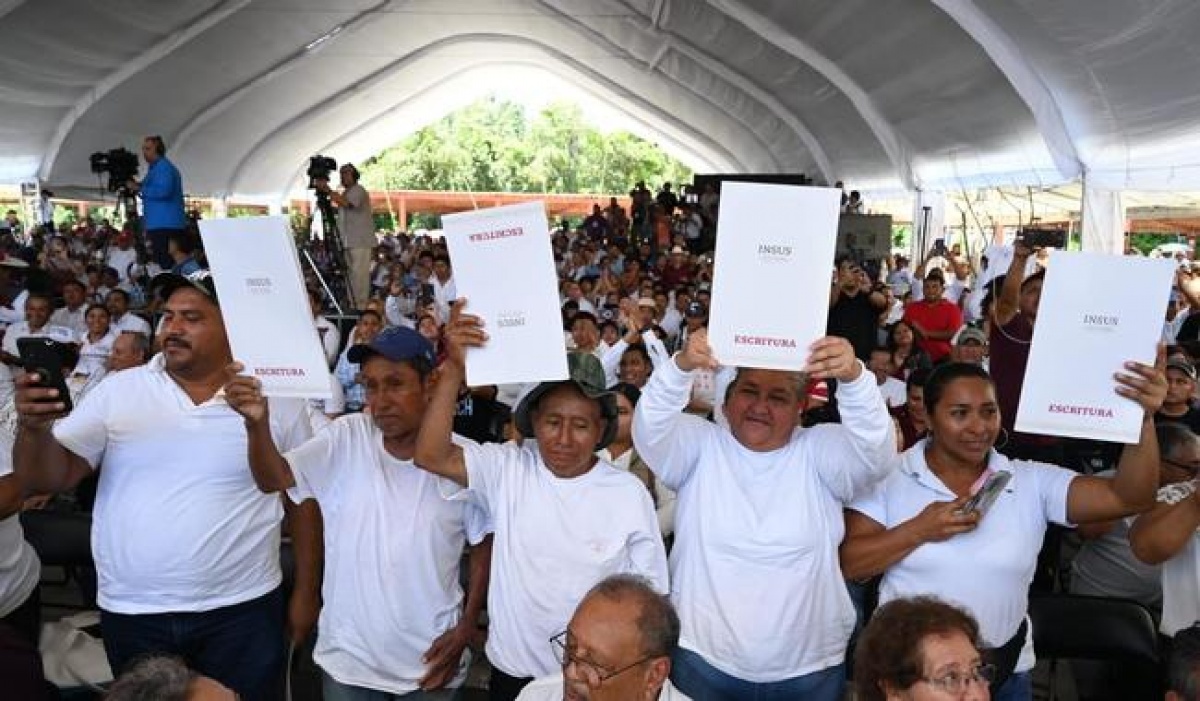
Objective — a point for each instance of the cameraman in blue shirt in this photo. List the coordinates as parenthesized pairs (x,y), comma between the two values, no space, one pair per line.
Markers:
(162,199)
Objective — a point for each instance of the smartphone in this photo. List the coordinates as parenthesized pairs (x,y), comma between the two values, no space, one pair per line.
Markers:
(1044,238)
(47,358)
(987,495)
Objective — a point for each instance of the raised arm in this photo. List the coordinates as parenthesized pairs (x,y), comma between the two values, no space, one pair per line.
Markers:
(1007,304)
(244,395)
(1132,490)
(855,455)
(1163,532)
(41,463)
(435,450)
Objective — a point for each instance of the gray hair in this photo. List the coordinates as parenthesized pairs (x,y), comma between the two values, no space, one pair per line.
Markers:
(657,621)
(153,678)
(799,378)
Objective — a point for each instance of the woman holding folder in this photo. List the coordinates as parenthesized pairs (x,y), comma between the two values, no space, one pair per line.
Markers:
(959,521)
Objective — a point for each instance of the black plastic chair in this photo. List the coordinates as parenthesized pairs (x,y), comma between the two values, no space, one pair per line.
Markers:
(1101,629)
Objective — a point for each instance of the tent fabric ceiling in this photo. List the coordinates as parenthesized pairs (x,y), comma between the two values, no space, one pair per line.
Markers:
(909,94)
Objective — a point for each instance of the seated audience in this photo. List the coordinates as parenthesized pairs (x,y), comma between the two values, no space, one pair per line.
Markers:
(921,649)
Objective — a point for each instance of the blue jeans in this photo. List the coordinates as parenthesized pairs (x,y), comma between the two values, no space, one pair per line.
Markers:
(241,646)
(333,690)
(703,682)
(1018,687)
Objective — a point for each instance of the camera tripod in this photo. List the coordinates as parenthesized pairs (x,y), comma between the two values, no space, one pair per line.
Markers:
(336,282)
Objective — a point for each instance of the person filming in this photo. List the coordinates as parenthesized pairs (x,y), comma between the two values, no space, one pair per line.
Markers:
(357,227)
(162,199)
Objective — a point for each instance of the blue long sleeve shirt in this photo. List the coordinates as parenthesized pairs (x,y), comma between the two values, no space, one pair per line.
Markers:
(162,196)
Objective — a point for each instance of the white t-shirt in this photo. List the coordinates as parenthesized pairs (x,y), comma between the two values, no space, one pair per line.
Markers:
(986,571)
(74,320)
(1180,574)
(19,566)
(94,355)
(120,260)
(133,323)
(179,524)
(21,330)
(555,539)
(551,689)
(754,571)
(895,392)
(664,498)
(392,551)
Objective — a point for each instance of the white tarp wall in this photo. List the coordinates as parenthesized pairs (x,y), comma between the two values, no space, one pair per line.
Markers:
(1103,217)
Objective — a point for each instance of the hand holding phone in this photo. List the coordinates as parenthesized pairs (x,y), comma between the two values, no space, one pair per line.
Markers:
(987,495)
(42,393)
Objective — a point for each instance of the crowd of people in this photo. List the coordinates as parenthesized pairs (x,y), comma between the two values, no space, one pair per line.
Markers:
(658,526)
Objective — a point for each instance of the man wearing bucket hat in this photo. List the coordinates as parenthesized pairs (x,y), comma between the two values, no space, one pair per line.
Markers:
(564,519)
(393,621)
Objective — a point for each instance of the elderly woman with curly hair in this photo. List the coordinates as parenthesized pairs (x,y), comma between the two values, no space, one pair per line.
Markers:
(921,649)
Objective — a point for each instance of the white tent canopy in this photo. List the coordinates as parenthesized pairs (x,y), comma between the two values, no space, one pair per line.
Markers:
(902,95)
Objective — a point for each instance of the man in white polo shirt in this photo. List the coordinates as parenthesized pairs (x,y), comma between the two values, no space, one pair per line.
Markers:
(186,547)
(564,519)
(122,319)
(391,624)
(38,307)
(754,569)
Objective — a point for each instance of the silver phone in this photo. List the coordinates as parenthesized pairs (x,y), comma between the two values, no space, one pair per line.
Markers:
(987,495)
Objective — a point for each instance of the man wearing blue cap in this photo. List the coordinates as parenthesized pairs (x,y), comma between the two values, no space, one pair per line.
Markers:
(393,624)
(564,519)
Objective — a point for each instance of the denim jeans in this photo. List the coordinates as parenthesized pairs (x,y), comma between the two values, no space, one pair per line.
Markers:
(241,646)
(703,682)
(333,690)
(1018,687)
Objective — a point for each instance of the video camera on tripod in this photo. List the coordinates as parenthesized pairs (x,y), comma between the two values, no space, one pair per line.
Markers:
(338,285)
(120,163)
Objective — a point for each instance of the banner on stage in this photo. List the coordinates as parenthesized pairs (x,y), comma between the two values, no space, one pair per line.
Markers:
(504,267)
(773,267)
(257,272)
(1097,312)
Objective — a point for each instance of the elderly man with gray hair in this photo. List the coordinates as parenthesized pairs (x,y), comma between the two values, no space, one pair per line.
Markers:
(618,646)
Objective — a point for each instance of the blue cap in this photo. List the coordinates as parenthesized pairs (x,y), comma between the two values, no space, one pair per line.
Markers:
(398,344)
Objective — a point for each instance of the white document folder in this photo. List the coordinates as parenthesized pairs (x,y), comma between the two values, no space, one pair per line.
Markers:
(256,269)
(1097,312)
(773,267)
(504,267)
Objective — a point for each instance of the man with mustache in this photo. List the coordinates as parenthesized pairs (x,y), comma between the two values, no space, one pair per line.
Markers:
(186,547)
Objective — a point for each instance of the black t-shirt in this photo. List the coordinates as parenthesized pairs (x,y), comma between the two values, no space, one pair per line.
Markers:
(1191,419)
(856,320)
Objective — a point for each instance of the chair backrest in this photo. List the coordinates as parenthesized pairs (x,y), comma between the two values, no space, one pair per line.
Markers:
(1093,628)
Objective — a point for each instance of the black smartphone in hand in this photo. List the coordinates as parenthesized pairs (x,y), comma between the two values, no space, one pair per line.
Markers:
(48,359)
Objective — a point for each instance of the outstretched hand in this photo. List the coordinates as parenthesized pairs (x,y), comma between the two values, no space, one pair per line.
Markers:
(462,332)
(696,353)
(244,395)
(1145,384)
(833,357)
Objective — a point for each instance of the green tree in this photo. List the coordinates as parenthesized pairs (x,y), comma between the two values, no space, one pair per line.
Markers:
(491,146)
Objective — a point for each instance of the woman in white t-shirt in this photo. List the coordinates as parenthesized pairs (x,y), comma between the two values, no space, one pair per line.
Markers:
(918,527)
(97,342)
(622,454)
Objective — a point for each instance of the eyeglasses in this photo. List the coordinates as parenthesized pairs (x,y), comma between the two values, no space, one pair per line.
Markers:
(958,682)
(593,674)
(1192,469)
